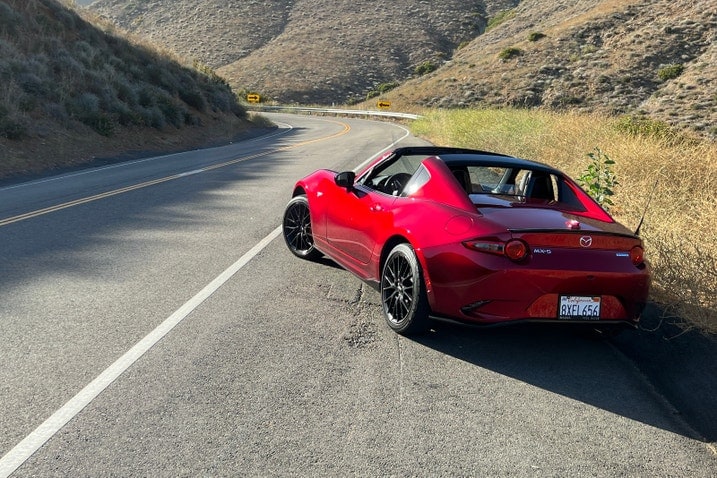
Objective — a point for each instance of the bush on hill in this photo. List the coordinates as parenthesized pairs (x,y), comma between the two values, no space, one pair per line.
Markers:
(57,68)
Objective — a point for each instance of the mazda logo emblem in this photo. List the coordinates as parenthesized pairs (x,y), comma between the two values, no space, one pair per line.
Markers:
(586,241)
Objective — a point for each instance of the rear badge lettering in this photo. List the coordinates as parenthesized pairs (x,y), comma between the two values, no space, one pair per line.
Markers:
(622,254)
(542,251)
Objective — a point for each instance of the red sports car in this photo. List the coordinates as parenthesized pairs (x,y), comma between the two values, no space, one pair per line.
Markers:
(471,236)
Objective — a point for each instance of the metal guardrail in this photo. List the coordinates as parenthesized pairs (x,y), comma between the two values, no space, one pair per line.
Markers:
(338,111)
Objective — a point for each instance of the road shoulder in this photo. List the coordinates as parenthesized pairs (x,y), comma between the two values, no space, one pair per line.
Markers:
(681,364)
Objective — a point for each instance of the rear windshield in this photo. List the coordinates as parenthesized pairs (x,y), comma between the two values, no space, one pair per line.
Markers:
(506,186)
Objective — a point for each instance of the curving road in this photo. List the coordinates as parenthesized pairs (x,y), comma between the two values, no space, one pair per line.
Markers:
(152,323)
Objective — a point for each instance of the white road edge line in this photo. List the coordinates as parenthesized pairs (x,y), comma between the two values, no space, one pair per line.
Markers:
(27,447)
(31,443)
(406,134)
(285,128)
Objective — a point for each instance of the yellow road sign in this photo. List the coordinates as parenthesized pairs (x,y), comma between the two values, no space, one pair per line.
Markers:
(383,104)
(253,98)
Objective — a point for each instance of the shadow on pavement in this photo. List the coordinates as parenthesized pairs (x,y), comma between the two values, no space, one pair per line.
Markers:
(681,364)
(567,362)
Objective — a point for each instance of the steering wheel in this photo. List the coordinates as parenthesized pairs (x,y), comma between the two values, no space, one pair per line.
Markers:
(395,183)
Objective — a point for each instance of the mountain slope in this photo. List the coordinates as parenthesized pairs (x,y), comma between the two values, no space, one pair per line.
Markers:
(307,50)
(72,89)
(654,57)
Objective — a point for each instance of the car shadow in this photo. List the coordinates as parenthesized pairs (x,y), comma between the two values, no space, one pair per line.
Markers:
(577,363)
(563,361)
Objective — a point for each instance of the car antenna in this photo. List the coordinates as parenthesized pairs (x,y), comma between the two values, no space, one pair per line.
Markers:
(649,200)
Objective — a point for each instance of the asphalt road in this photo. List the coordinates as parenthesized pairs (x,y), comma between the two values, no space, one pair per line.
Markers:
(152,323)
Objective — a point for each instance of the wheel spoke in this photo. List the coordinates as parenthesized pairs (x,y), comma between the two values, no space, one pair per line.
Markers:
(398,288)
(298,228)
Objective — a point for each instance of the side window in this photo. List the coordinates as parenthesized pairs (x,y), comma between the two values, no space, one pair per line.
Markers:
(567,196)
(392,176)
(539,186)
(420,178)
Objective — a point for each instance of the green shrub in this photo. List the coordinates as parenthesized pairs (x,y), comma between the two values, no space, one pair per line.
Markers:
(124,114)
(598,179)
(27,103)
(146,97)
(670,72)
(499,18)
(172,110)
(101,123)
(56,112)
(644,126)
(153,117)
(220,100)
(85,105)
(12,128)
(209,73)
(386,87)
(424,68)
(382,88)
(31,83)
(508,53)
(125,92)
(194,98)
(535,36)
(9,19)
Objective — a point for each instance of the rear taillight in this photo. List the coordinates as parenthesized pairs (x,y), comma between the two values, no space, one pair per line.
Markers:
(515,249)
(637,255)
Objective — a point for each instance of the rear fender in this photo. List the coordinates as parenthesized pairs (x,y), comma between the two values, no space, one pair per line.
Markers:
(386,250)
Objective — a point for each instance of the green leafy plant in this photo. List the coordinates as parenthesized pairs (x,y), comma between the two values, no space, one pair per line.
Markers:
(381,89)
(670,72)
(499,18)
(425,68)
(535,36)
(599,179)
(509,53)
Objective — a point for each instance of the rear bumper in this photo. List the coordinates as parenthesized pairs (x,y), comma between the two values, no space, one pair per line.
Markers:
(487,289)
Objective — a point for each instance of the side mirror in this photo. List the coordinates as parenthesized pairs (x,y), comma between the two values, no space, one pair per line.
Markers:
(345,179)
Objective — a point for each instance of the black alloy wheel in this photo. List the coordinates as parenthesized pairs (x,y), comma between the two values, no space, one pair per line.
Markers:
(403,294)
(296,227)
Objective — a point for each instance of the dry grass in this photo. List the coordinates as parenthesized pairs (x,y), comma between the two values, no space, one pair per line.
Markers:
(680,228)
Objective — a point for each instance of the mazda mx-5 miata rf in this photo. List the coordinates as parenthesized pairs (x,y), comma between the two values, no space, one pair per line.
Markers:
(473,237)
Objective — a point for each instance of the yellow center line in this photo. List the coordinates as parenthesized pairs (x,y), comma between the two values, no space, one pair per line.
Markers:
(115,192)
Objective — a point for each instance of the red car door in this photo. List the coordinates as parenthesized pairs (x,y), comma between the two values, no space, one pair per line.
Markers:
(354,219)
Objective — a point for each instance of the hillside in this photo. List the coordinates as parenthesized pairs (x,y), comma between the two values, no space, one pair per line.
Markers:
(653,57)
(74,90)
(657,58)
(303,50)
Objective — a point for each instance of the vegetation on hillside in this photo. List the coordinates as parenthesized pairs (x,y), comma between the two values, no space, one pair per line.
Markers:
(615,57)
(61,73)
(680,228)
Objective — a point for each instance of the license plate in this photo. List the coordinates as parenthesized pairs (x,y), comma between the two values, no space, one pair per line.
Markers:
(576,307)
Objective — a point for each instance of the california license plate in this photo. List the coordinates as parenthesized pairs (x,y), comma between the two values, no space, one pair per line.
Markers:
(578,307)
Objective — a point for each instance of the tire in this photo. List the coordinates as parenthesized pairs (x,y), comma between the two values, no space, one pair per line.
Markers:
(296,227)
(403,293)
